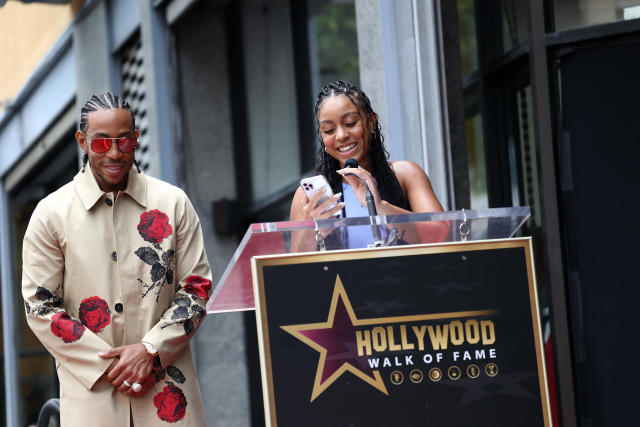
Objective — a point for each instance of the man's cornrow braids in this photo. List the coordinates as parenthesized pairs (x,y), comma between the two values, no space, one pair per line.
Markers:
(104,101)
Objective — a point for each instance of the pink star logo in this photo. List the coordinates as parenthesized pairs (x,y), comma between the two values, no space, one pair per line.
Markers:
(335,340)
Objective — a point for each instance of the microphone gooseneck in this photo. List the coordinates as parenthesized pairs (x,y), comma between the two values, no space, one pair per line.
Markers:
(371,205)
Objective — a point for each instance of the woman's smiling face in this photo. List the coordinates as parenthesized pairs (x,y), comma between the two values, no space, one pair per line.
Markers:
(345,130)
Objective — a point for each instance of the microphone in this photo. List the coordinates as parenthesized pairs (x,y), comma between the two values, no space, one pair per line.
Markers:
(351,163)
(371,205)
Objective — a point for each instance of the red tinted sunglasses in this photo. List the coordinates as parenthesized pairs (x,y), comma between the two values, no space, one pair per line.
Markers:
(125,144)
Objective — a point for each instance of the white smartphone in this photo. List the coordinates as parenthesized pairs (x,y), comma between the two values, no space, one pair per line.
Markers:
(314,184)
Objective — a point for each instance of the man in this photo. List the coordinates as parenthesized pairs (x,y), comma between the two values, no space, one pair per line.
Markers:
(115,282)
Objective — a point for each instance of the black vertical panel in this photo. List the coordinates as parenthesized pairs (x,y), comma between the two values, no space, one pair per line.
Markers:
(302,65)
(598,154)
(488,31)
(494,93)
(238,97)
(496,126)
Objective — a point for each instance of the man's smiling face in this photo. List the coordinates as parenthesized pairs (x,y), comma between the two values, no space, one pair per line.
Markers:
(111,168)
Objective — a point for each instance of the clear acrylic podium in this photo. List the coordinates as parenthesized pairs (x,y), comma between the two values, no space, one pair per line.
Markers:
(234,290)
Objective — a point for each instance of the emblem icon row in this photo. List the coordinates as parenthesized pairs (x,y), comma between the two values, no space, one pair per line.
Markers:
(453,373)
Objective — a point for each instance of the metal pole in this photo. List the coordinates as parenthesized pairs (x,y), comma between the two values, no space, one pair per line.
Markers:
(11,389)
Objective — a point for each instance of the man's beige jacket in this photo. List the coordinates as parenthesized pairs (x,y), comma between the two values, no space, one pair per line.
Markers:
(100,272)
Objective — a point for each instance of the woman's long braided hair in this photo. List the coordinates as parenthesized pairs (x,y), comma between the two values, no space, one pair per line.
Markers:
(388,185)
(103,101)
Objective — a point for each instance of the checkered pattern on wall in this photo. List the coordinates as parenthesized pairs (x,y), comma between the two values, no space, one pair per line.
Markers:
(133,91)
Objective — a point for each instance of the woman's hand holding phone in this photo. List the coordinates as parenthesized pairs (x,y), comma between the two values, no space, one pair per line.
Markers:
(321,207)
(313,200)
(321,202)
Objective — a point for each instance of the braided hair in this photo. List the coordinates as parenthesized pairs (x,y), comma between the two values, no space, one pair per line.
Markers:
(103,101)
(388,185)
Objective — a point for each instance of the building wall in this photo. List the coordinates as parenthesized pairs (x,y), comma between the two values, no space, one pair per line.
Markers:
(22,48)
(204,150)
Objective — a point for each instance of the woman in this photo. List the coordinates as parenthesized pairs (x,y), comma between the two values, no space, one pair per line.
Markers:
(348,128)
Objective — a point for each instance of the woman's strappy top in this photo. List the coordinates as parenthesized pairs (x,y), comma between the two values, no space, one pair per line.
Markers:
(359,236)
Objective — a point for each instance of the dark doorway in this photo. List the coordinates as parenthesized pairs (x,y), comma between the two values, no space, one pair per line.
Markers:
(598,151)
(37,376)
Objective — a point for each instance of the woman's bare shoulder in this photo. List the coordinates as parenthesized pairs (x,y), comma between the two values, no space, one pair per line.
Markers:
(406,169)
(417,186)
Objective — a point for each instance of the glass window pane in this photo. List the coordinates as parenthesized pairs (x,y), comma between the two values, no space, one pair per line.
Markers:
(269,78)
(468,41)
(515,26)
(570,14)
(504,26)
(476,159)
(333,42)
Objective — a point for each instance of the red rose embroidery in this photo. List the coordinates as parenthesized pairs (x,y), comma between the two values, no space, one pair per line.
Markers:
(198,286)
(63,326)
(95,314)
(171,404)
(154,226)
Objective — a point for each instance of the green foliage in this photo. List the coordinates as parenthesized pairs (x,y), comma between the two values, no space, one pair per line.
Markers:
(336,36)
(468,42)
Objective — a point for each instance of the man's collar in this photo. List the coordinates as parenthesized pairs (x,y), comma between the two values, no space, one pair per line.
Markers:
(89,191)
(137,186)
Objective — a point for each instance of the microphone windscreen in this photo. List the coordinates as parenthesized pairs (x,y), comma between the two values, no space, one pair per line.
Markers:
(351,163)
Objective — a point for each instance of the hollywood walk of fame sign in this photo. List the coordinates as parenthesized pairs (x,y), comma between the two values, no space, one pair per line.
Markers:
(444,334)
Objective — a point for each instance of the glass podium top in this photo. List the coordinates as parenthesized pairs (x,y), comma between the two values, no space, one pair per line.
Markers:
(234,290)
